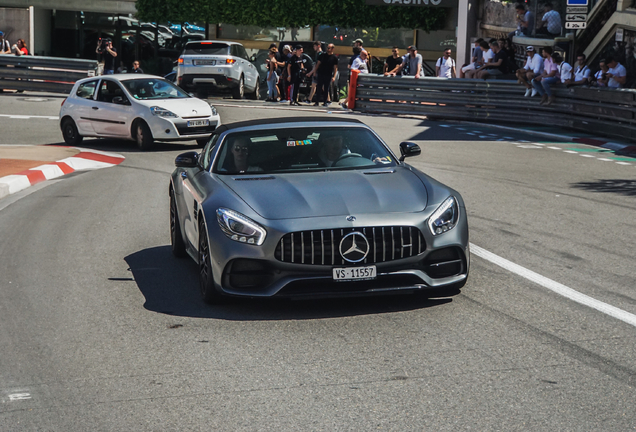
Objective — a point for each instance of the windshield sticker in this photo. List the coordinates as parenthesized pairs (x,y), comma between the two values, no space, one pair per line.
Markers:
(307,142)
(291,143)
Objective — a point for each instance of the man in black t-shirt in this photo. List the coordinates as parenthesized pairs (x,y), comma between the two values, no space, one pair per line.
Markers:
(393,63)
(296,69)
(326,68)
(105,47)
(499,65)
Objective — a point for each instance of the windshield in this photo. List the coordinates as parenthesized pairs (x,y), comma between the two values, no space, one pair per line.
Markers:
(153,88)
(302,149)
(207,48)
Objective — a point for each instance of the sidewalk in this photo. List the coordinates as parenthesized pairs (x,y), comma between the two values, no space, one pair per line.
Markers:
(22,166)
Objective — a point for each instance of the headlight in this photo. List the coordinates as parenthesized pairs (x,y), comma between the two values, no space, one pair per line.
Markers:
(240,228)
(214,112)
(445,217)
(162,112)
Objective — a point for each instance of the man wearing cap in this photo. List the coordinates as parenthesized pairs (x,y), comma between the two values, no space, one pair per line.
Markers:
(357,48)
(412,63)
(5,47)
(532,68)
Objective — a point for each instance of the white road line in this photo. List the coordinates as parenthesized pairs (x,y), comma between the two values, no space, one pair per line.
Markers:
(586,155)
(470,133)
(623,163)
(606,159)
(17,116)
(554,148)
(555,287)
(570,151)
(19,396)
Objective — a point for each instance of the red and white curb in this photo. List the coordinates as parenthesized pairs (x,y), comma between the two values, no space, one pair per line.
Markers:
(85,160)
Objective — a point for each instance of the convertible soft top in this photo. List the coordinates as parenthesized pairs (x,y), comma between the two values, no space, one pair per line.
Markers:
(284,120)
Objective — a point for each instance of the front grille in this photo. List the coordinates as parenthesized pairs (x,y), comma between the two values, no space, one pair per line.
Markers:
(322,247)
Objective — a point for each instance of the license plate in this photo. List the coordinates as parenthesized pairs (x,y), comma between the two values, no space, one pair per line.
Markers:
(354,273)
(195,123)
(204,62)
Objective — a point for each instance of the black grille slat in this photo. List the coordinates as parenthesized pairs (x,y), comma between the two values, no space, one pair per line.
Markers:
(321,247)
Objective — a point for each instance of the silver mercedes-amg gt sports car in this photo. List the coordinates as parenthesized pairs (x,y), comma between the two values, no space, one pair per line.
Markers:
(314,207)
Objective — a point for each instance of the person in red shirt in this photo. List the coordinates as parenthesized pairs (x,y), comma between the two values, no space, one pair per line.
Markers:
(19,48)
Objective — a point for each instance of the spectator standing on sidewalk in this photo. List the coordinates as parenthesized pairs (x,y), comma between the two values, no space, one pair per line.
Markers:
(360,63)
(532,69)
(551,22)
(136,68)
(617,73)
(314,78)
(412,63)
(445,66)
(549,76)
(525,21)
(393,63)
(357,48)
(600,77)
(5,46)
(582,73)
(105,48)
(296,70)
(326,69)
(272,76)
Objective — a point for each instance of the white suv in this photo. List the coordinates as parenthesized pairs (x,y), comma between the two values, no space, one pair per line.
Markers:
(206,65)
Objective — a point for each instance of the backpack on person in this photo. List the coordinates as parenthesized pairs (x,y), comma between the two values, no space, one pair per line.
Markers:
(441,59)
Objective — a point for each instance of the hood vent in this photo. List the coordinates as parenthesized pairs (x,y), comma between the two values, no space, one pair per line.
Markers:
(252,178)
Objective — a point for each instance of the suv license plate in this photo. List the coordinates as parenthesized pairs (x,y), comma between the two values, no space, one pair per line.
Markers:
(192,123)
(204,62)
(354,273)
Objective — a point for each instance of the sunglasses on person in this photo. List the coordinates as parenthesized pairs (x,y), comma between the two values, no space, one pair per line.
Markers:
(241,149)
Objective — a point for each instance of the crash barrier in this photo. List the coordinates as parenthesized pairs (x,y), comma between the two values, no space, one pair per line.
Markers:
(610,112)
(45,74)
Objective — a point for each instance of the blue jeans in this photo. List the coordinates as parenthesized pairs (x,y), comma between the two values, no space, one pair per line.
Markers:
(543,87)
(272,91)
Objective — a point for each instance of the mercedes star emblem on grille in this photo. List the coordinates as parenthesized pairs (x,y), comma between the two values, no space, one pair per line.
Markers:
(354,247)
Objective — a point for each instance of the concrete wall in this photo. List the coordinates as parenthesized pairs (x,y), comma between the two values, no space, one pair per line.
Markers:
(14,23)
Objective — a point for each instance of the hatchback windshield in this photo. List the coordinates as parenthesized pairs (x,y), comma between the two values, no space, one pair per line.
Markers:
(302,149)
(153,88)
(207,48)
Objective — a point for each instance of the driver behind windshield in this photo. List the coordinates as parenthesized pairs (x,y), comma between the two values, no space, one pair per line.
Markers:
(332,149)
(238,158)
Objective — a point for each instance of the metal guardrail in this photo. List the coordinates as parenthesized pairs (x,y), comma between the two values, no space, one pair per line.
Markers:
(46,74)
(605,111)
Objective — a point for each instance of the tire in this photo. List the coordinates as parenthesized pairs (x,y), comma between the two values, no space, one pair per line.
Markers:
(142,135)
(257,91)
(239,91)
(70,133)
(176,238)
(209,294)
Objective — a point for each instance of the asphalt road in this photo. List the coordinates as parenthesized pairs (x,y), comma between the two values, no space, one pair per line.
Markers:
(102,329)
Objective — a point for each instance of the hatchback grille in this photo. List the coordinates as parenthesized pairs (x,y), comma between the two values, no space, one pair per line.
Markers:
(322,247)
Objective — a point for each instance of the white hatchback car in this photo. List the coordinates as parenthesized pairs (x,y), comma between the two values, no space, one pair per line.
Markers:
(213,65)
(142,108)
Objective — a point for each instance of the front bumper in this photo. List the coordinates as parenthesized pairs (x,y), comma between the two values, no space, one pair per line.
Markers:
(176,129)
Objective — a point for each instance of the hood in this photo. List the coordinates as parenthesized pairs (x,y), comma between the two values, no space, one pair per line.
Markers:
(302,195)
(181,107)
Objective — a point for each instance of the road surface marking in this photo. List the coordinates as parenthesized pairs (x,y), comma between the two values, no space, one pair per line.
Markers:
(554,286)
(586,155)
(19,396)
(555,148)
(16,116)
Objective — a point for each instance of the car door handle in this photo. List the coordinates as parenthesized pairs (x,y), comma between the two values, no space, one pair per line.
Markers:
(95,108)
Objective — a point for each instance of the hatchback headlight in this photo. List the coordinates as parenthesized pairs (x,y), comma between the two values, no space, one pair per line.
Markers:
(214,112)
(445,217)
(162,112)
(240,228)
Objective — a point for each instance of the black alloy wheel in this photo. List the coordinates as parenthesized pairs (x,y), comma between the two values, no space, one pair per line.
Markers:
(257,91)
(70,132)
(143,136)
(206,280)
(239,91)
(176,238)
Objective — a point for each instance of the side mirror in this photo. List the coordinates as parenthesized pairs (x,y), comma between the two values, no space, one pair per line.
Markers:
(187,160)
(408,149)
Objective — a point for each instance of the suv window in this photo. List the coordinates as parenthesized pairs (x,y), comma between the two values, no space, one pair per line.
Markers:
(206,48)
(86,90)
(108,90)
(241,51)
(234,51)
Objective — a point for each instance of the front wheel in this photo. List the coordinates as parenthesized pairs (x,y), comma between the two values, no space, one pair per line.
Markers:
(206,280)
(143,136)
(239,91)
(70,133)
(176,238)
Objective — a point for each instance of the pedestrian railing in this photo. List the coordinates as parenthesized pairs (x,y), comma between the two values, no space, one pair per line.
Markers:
(46,74)
(605,111)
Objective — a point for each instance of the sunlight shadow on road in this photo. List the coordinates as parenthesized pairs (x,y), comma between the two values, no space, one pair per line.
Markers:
(616,186)
(170,286)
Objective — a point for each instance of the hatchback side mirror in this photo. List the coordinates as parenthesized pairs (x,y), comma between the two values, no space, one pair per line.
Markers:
(408,149)
(187,160)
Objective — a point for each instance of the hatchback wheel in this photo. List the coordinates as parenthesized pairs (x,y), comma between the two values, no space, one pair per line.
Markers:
(70,132)
(143,136)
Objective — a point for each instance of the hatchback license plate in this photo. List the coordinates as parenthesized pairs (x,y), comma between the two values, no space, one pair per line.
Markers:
(354,273)
(204,62)
(195,123)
